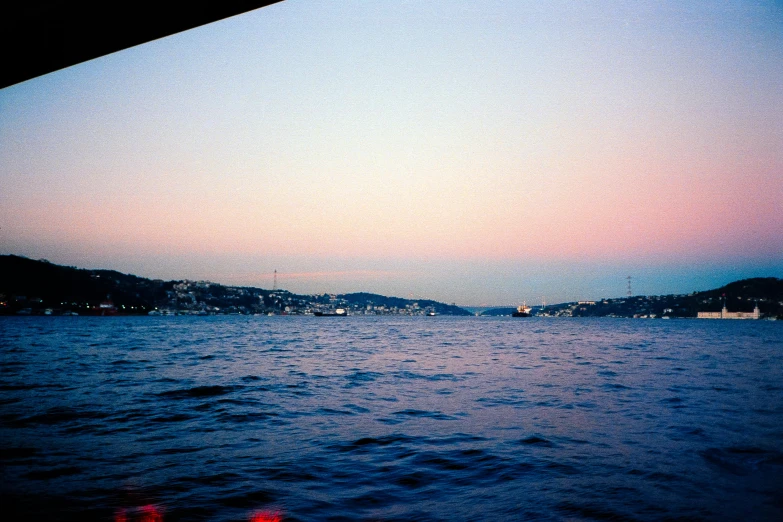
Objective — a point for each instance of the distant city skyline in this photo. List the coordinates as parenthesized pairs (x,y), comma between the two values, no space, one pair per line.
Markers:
(477,154)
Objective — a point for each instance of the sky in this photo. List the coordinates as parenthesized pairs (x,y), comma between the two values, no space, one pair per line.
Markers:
(478,153)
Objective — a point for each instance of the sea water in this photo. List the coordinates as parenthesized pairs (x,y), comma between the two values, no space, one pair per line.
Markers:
(390,418)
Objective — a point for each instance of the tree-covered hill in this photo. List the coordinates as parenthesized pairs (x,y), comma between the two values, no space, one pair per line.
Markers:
(47,284)
(739,296)
(376,300)
(30,286)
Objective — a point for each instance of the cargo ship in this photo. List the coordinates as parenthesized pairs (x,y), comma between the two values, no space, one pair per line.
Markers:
(522,311)
(340,312)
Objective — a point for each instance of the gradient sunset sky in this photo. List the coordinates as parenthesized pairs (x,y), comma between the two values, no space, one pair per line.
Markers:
(471,152)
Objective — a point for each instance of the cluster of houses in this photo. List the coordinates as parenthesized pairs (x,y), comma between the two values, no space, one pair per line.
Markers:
(205,298)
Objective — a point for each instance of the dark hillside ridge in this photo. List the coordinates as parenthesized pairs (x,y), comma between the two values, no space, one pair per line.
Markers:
(739,296)
(32,287)
(768,288)
(398,302)
(20,276)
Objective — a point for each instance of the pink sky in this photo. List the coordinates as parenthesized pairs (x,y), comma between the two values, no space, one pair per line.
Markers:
(423,149)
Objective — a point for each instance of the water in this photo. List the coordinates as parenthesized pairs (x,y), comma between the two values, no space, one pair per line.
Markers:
(384,419)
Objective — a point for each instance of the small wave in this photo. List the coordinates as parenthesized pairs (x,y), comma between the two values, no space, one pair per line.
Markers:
(742,460)
(333,411)
(674,402)
(373,499)
(662,477)
(54,473)
(7,454)
(501,401)
(537,441)
(241,402)
(415,480)
(286,474)
(178,451)
(569,440)
(15,387)
(360,378)
(59,415)
(198,392)
(356,408)
(219,479)
(424,414)
(457,438)
(590,512)
(247,500)
(563,469)
(679,432)
(440,462)
(178,417)
(241,418)
(437,377)
(370,442)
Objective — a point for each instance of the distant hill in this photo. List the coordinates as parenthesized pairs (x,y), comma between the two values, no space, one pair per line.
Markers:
(30,286)
(55,284)
(739,296)
(380,300)
(758,288)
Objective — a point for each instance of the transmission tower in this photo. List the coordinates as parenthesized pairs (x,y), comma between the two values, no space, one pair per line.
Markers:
(629,286)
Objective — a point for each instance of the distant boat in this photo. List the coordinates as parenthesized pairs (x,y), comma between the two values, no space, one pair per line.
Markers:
(106,308)
(522,311)
(340,312)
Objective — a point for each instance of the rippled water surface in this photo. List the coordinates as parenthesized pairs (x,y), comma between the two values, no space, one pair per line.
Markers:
(363,418)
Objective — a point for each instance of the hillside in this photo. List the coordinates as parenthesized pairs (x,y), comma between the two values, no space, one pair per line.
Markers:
(390,302)
(740,296)
(33,287)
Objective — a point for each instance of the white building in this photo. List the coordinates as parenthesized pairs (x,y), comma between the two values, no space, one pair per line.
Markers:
(725,314)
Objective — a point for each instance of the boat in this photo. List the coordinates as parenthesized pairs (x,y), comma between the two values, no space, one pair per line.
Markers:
(522,311)
(105,308)
(340,312)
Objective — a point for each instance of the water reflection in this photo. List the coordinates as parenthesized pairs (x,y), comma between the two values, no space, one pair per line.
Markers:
(150,513)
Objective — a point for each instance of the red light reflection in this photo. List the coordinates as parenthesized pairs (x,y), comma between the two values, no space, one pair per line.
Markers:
(266,516)
(150,513)
(142,514)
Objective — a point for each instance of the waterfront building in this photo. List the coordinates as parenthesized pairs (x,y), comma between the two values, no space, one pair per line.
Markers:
(725,314)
